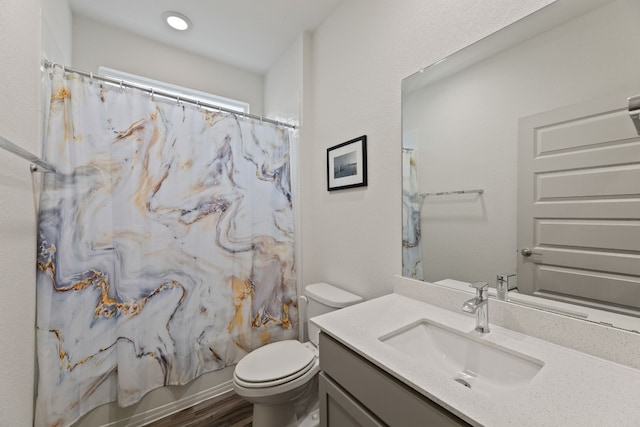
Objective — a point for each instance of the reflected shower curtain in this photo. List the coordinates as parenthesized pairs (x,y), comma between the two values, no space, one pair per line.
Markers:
(166,245)
(411,207)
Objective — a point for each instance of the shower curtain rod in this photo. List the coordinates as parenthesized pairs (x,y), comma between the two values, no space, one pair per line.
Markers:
(21,152)
(151,91)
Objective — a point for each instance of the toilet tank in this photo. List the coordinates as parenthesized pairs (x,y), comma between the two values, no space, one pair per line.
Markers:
(324,298)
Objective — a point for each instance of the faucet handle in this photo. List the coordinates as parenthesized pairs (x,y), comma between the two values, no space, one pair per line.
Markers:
(503,277)
(482,289)
(502,285)
(480,286)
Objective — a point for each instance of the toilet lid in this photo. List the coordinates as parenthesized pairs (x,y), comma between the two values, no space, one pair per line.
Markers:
(273,362)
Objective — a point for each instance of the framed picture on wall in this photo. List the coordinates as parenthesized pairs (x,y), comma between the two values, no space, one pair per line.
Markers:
(347,164)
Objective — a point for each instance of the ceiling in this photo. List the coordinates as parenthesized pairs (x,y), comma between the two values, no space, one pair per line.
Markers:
(250,34)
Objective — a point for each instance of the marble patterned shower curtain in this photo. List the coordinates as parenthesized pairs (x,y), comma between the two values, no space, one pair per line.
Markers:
(411,207)
(166,245)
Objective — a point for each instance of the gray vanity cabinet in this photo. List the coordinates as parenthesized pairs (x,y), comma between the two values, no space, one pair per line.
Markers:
(354,392)
(338,408)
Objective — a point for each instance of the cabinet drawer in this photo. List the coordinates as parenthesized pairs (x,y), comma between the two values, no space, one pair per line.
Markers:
(393,402)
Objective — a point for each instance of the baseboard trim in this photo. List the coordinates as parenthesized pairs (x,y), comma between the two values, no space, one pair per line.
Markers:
(171,408)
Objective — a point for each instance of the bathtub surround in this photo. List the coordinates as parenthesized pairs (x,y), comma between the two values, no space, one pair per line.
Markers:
(166,245)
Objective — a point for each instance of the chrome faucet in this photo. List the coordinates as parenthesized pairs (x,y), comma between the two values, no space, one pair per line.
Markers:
(502,286)
(479,305)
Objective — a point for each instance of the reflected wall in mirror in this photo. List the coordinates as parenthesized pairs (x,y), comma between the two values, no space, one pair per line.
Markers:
(536,117)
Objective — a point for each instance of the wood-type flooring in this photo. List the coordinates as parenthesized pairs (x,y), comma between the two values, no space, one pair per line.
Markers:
(227,410)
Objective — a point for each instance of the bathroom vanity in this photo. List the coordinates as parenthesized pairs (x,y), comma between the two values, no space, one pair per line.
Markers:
(354,392)
(400,360)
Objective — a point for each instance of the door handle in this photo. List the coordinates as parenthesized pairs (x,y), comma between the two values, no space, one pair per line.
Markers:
(526,252)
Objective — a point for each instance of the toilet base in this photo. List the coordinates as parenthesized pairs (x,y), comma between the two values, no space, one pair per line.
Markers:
(286,415)
(274,415)
(296,409)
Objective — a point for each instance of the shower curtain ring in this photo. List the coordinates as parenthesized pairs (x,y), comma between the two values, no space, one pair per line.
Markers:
(121,86)
(198,104)
(178,99)
(91,77)
(152,92)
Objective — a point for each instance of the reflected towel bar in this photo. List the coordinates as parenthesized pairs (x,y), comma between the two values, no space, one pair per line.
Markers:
(448,193)
(634,111)
(37,164)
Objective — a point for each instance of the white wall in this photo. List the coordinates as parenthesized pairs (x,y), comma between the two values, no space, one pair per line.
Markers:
(20,53)
(96,44)
(283,83)
(468,133)
(360,54)
(283,98)
(57,30)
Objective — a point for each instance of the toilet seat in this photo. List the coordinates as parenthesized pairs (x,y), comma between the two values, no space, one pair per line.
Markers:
(274,364)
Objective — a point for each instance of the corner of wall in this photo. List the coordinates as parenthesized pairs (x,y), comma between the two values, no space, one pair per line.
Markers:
(57,27)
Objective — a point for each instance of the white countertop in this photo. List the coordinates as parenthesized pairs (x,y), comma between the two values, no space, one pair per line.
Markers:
(572,388)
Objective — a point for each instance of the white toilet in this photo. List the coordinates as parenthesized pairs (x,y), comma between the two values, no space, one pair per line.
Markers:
(274,376)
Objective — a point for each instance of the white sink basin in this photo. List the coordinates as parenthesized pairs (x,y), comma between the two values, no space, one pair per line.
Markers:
(481,366)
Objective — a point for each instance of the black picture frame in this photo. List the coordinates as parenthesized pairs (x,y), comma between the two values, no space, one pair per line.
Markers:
(347,164)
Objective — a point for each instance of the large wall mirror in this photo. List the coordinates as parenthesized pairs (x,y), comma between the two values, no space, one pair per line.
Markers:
(520,158)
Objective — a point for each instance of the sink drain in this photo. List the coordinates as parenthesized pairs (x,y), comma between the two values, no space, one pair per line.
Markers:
(463,382)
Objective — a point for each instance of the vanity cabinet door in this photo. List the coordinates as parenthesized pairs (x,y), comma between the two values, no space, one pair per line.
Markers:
(388,399)
(338,409)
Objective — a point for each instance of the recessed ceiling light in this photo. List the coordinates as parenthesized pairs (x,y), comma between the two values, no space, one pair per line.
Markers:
(176,20)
